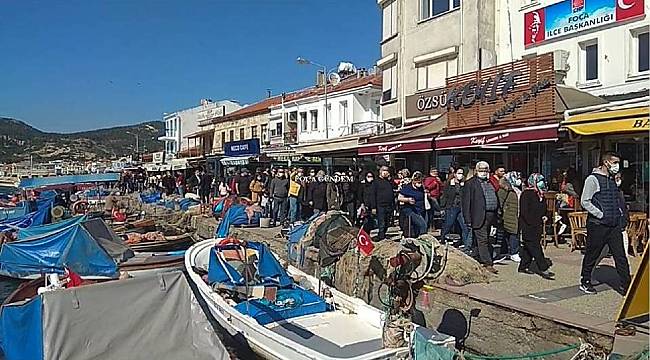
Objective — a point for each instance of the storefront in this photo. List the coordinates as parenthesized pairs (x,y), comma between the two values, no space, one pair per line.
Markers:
(333,155)
(509,115)
(240,154)
(623,127)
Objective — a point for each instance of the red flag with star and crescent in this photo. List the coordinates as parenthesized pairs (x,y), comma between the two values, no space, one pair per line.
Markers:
(628,9)
(364,243)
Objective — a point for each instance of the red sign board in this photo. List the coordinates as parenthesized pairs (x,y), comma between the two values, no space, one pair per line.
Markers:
(397,147)
(498,137)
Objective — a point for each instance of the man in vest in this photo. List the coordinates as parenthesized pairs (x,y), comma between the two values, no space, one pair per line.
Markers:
(602,200)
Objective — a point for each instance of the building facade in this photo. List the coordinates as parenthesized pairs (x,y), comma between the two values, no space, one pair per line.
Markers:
(180,124)
(426,41)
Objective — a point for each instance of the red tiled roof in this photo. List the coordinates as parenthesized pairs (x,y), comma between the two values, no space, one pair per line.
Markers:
(264,105)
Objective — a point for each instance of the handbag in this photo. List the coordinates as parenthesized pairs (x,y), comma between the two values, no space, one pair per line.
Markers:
(427,203)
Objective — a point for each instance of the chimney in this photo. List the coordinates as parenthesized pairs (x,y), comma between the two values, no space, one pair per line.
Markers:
(362,72)
(320,78)
(268,93)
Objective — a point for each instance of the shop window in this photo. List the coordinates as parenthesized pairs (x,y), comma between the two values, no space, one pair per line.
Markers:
(432,8)
(389,20)
(303,121)
(389,83)
(314,119)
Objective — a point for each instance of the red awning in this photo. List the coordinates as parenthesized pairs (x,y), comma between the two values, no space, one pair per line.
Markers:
(499,137)
(398,146)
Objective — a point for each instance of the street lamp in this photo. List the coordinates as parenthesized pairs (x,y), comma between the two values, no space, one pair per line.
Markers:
(302,61)
(137,142)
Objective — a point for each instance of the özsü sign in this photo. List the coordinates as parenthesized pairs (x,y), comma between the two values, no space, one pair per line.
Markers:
(520,91)
(572,16)
(431,102)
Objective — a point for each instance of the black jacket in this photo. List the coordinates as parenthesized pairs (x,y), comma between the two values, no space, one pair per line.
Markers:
(365,194)
(473,203)
(531,211)
(382,194)
(449,194)
(317,192)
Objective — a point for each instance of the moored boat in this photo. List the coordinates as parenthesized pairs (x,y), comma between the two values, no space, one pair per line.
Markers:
(254,298)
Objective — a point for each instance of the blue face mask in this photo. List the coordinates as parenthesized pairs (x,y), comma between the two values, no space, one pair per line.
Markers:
(541,185)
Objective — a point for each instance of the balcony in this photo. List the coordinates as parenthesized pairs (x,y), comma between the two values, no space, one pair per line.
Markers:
(368,128)
(287,138)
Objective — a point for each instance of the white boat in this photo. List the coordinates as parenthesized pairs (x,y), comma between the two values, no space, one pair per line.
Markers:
(352,330)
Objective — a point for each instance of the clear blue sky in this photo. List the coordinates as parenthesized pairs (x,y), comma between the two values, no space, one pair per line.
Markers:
(77,65)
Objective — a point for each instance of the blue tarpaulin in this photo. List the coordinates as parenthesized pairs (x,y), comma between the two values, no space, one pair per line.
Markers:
(150,198)
(39,217)
(296,234)
(32,183)
(21,331)
(269,269)
(73,247)
(15,212)
(236,215)
(49,228)
(303,302)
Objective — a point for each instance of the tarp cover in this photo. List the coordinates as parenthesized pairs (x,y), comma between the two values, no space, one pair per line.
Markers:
(147,317)
(49,228)
(21,333)
(269,269)
(236,215)
(108,239)
(31,183)
(304,303)
(73,247)
(36,218)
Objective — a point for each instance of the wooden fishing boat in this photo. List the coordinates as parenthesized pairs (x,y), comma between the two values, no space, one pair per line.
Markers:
(169,243)
(278,318)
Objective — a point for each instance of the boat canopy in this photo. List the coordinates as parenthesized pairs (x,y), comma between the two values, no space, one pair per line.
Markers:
(88,248)
(34,231)
(268,269)
(32,183)
(36,218)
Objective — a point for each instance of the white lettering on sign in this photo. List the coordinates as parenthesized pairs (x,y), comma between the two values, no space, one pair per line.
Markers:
(484,140)
(240,147)
(386,148)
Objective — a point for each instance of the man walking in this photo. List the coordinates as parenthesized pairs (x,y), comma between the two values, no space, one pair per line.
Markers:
(279,190)
(480,205)
(383,198)
(602,200)
(295,189)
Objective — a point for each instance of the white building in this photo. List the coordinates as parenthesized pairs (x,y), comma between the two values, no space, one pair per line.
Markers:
(605,42)
(180,124)
(352,109)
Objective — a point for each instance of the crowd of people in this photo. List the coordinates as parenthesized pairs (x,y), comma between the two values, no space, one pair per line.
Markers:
(494,215)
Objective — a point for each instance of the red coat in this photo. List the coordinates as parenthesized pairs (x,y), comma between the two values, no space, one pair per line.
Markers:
(433,186)
(495,182)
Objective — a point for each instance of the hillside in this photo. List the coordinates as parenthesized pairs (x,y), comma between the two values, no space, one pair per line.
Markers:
(19,141)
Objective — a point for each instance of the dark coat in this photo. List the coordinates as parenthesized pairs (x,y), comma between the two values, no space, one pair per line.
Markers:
(449,194)
(510,209)
(531,211)
(473,203)
(365,194)
(317,193)
(383,194)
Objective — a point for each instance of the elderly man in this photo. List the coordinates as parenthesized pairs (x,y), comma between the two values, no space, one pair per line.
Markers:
(480,205)
(383,201)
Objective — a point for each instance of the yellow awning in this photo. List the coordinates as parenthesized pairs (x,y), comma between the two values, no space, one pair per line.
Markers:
(610,121)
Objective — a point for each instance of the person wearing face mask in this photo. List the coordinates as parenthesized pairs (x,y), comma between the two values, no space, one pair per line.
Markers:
(295,190)
(480,205)
(432,188)
(451,201)
(382,194)
(601,199)
(349,188)
(367,202)
(279,191)
(257,188)
(508,194)
(317,195)
(532,208)
(411,196)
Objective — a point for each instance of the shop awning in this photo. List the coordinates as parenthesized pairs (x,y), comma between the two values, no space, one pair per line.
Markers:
(608,120)
(235,160)
(418,139)
(498,137)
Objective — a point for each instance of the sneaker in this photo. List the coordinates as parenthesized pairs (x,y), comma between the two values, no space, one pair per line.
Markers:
(500,259)
(557,218)
(562,229)
(588,289)
(515,258)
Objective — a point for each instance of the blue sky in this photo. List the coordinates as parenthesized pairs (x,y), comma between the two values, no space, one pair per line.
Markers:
(78,65)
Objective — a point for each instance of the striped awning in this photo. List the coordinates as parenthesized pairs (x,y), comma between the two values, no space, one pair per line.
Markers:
(609,121)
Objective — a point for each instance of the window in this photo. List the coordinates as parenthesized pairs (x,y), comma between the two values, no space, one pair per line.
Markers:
(293,116)
(278,129)
(642,52)
(343,112)
(591,62)
(303,121)
(431,8)
(314,119)
(254,132)
(223,140)
(389,83)
(389,20)
(232,135)
(263,131)
(242,133)
(431,76)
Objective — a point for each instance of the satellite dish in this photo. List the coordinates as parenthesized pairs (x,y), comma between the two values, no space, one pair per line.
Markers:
(334,79)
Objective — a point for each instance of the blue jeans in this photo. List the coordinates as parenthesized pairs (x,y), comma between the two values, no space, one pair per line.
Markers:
(513,243)
(455,215)
(414,224)
(294,209)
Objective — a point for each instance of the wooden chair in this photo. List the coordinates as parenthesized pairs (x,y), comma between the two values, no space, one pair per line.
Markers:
(551,211)
(578,222)
(637,231)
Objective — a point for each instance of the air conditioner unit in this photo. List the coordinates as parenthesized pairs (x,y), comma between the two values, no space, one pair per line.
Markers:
(561,60)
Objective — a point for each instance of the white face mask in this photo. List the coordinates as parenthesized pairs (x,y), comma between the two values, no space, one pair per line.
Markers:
(459,176)
(619,182)
(518,182)
(613,168)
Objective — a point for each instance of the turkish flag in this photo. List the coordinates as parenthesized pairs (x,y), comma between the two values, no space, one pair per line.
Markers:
(627,9)
(364,243)
(534,27)
(74,278)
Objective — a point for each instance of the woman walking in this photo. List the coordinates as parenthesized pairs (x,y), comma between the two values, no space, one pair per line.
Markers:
(450,201)
(532,208)
(508,194)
